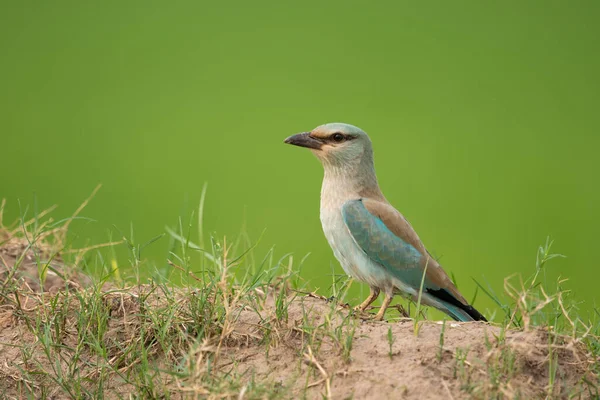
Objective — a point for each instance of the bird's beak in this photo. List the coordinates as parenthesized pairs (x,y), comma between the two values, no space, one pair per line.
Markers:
(304,140)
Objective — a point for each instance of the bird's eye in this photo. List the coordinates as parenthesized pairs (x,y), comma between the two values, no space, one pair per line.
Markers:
(338,137)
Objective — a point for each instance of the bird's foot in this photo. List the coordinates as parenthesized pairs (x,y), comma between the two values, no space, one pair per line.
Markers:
(363,314)
(378,317)
(359,312)
(359,309)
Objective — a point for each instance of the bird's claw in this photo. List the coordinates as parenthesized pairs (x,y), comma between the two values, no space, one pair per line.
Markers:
(362,314)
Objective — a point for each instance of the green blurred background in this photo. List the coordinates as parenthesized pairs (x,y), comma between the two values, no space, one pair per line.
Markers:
(484,118)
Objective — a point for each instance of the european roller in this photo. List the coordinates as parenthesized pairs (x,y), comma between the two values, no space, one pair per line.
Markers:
(373,242)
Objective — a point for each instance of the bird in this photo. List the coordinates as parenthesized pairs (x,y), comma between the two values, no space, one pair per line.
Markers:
(373,241)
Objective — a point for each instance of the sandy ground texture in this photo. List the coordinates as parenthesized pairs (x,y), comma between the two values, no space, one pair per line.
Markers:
(415,367)
(315,350)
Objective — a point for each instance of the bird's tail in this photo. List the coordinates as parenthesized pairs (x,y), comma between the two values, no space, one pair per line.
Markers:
(454,308)
(464,314)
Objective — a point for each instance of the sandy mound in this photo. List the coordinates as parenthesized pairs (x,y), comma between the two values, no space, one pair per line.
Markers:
(474,359)
(291,344)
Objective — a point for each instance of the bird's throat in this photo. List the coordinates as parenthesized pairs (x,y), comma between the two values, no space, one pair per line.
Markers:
(343,184)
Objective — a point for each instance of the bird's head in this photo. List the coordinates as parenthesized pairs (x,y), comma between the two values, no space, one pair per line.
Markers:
(336,144)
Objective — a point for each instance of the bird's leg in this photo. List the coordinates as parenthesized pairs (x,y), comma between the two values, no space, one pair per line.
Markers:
(374,293)
(384,306)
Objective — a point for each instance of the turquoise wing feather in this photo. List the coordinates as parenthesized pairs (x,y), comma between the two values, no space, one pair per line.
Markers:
(399,258)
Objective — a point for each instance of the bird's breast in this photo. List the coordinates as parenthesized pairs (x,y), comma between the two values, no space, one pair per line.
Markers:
(352,258)
(338,236)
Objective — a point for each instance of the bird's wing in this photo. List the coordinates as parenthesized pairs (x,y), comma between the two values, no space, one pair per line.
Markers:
(389,239)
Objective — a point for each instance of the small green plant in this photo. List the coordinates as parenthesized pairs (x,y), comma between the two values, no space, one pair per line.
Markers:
(461,370)
(440,353)
(345,336)
(391,340)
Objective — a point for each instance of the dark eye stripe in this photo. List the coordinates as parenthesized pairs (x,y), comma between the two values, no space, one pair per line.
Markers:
(338,137)
(344,138)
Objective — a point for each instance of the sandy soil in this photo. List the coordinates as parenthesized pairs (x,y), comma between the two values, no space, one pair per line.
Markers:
(418,368)
(304,349)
